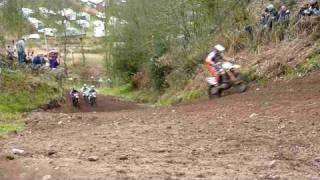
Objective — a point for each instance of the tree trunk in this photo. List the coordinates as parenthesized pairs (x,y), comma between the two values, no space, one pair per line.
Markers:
(82,51)
(65,50)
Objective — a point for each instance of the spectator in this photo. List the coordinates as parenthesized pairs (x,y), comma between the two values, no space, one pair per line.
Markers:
(53,59)
(314,8)
(263,19)
(267,17)
(21,50)
(10,55)
(283,21)
(309,9)
(303,11)
(29,57)
(37,60)
(109,83)
(283,15)
(100,81)
(53,62)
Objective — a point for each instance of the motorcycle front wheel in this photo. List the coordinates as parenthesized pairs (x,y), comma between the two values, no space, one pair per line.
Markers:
(92,102)
(240,88)
(214,91)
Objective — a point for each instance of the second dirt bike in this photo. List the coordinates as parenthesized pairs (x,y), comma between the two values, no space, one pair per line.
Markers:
(215,89)
(92,98)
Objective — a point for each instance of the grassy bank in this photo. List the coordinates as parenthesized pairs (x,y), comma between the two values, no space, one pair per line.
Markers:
(153,97)
(21,92)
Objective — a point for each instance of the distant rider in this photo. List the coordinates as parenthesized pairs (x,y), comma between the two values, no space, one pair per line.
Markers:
(73,92)
(92,90)
(84,90)
(214,60)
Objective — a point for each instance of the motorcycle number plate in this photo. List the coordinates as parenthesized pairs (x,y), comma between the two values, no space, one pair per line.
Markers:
(212,81)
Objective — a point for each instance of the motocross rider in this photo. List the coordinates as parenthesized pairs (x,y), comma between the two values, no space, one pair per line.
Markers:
(84,90)
(214,60)
(92,90)
(73,92)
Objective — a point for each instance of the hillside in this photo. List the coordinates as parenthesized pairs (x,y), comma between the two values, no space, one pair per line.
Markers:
(21,92)
(152,117)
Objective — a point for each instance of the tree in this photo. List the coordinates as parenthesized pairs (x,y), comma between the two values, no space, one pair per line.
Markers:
(156,27)
(12,19)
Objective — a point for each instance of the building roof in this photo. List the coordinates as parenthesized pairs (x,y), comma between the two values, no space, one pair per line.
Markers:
(96,1)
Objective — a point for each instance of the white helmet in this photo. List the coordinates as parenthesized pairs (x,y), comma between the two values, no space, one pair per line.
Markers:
(92,87)
(270,7)
(85,85)
(219,48)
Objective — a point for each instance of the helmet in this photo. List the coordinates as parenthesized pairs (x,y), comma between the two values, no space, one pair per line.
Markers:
(270,7)
(85,85)
(219,48)
(92,87)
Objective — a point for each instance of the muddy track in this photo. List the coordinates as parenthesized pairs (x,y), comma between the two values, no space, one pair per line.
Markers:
(271,133)
(104,104)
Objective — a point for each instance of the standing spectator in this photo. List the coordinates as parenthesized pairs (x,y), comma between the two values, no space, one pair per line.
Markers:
(267,17)
(314,8)
(283,15)
(100,81)
(283,20)
(10,55)
(109,83)
(21,50)
(303,11)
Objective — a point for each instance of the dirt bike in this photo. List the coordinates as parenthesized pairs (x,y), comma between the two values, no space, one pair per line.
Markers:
(76,100)
(92,99)
(215,89)
(85,96)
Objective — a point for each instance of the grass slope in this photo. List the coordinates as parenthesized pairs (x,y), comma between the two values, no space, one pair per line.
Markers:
(21,92)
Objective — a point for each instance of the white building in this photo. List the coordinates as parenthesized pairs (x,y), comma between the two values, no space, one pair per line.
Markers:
(114,21)
(26,12)
(34,36)
(98,23)
(83,23)
(48,31)
(36,23)
(99,32)
(96,3)
(2,3)
(69,14)
(101,15)
(44,11)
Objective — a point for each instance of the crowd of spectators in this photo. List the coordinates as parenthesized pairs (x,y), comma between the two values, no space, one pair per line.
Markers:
(30,59)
